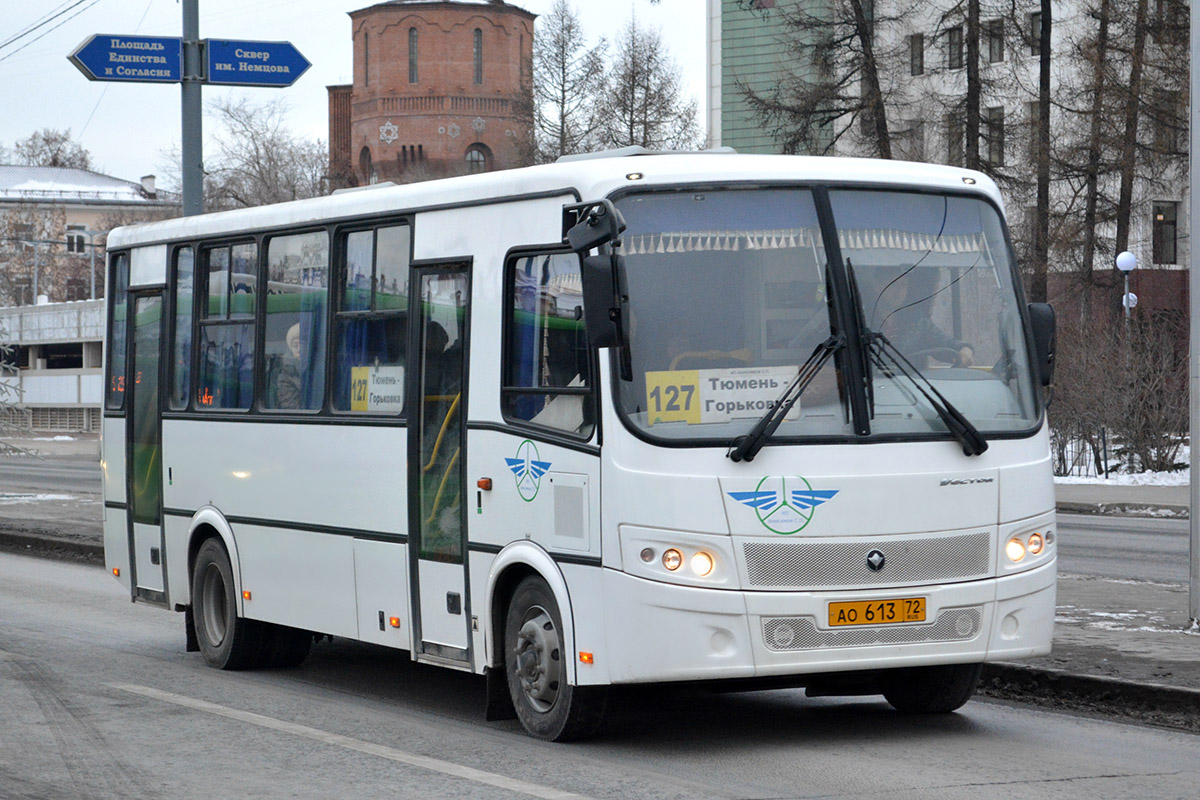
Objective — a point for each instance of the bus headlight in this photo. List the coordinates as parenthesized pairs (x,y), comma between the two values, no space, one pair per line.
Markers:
(702,564)
(1036,543)
(1015,550)
(672,559)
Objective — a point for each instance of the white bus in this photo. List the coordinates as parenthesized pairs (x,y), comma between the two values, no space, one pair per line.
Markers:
(629,418)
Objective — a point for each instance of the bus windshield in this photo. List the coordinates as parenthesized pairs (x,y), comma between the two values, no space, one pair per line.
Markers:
(731,292)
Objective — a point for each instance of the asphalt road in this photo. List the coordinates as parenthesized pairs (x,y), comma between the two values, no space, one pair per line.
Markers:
(58,474)
(1127,548)
(99,700)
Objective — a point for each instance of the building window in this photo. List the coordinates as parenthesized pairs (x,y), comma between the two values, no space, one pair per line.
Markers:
(954,139)
(993,132)
(912,141)
(1166,114)
(412,55)
(22,291)
(478,57)
(994,32)
(76,242)
(916,54)
(366,59)
(77,289)
(478,158)
(1166,216)
(1035,33)
(954,48)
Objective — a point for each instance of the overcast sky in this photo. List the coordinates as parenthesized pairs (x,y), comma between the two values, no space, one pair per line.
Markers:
(129,127)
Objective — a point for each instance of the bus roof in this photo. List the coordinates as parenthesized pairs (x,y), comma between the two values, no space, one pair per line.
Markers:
(590,178)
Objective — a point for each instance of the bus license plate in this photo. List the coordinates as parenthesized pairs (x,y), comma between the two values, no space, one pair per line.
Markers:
(877,612)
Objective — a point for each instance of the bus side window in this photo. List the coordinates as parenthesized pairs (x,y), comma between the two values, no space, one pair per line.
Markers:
(119,281)
(371,324)
(226,327)
(297,297)
(547,374)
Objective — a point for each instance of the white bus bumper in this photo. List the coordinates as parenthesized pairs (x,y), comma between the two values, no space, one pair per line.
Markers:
(665,632)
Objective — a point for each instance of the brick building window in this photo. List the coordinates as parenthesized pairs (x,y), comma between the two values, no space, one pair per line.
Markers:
(412,55)
(478,57)
(1165,236)
(478,158)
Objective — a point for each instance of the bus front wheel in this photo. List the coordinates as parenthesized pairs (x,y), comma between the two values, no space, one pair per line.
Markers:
(931,690)
(548,706)
(226,640)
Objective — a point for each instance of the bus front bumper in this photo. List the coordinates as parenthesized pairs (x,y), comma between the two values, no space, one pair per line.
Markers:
(665,632)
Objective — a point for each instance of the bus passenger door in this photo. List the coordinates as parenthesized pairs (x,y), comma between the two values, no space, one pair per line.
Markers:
(144,454)
(436,458)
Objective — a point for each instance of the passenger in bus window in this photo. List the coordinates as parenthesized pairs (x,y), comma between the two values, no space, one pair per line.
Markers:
(288,387)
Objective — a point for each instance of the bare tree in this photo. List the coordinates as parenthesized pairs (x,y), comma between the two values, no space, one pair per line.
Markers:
(31,239)
(9,395)
(643,101)
(568,79)
(257,160)
(52,148)
(834,83)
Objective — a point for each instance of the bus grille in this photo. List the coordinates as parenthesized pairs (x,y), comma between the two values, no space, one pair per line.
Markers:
(801,633)
(836,564)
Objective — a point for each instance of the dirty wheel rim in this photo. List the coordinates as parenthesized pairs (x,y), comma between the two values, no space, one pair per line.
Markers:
(537,659)
(214,610)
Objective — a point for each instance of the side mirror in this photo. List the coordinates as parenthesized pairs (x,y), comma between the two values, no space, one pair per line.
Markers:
(606,304)
(1041,317)
(595,224)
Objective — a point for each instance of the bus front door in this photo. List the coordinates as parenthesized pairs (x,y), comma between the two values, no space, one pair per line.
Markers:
(436,458)
(144,453)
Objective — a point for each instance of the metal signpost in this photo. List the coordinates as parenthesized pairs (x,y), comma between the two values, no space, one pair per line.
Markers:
(191,62)
(1194,334)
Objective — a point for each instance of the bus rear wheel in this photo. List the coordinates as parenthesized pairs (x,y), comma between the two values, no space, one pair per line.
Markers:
(548,706)
(931,690)
(226,640)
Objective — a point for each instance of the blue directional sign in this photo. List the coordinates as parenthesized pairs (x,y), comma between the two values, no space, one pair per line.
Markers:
(239,63)
(117,57)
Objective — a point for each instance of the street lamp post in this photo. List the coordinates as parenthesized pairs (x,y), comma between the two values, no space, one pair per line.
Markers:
(1126,262)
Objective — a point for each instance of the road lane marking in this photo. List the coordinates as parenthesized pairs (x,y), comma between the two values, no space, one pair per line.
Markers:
(336,739)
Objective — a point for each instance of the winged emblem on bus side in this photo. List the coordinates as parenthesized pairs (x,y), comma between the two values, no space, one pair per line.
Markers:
(765,501)
(521,466)
(528,468)
(782,508)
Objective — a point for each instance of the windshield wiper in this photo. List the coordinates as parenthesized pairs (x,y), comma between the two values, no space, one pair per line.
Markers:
(890,360)
(745,448)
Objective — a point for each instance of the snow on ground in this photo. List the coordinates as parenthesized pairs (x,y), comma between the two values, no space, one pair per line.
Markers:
(1179,478)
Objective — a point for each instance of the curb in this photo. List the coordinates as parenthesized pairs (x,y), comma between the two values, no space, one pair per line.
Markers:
(1153,703)
(46,547)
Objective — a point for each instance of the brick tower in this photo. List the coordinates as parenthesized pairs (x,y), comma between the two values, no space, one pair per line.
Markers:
(441,87)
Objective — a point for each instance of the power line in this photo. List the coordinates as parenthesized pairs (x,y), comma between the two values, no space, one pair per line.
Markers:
(50,17)
(52,30)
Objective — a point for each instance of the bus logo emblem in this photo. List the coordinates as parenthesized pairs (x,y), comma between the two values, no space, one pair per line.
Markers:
(784,505)
(528,470)
(875,560)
